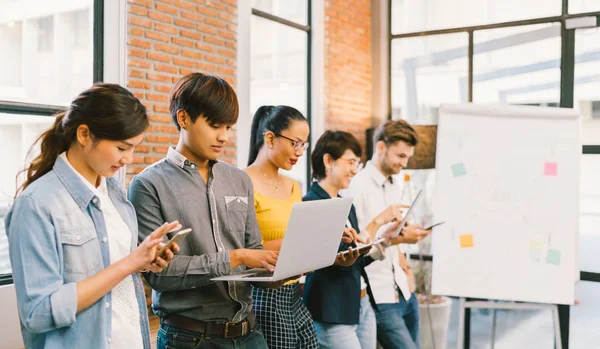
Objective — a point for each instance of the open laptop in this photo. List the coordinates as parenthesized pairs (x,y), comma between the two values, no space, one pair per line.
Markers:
(365,247)
(311,241)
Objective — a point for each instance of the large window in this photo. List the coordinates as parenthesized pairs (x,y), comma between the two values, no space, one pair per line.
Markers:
(587,78)
(582,6)
(526,52)
(412,16)
(48,50)
(587,101)
(489,59)
(507,61)
(293,10)
(279,61)
(426,72)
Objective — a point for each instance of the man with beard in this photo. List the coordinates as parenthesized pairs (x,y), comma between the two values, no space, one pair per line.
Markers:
(392,280)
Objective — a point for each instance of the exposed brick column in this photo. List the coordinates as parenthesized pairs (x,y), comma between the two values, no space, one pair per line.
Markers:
(168,39)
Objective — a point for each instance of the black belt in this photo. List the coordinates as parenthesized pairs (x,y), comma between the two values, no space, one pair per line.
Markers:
(222,329)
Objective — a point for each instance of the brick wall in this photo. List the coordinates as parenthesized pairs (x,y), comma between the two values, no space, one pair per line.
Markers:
(168,39)
(348,80)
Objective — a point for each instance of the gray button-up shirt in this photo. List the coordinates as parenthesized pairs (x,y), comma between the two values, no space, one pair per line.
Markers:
(222,217)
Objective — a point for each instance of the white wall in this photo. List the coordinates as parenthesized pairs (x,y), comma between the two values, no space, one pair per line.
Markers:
(10,332)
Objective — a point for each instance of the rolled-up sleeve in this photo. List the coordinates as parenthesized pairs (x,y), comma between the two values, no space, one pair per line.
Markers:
(45,303)
(63,307)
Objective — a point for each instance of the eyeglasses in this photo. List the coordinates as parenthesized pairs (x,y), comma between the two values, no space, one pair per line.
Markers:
(354,164)
(295,143)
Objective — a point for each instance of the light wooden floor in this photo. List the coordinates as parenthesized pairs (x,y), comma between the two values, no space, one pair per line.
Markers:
(154,325)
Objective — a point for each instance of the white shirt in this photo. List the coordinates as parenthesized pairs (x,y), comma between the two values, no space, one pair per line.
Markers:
(372,193)
(125,321)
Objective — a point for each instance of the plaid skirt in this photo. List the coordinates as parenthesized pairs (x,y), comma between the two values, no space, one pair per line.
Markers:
(283,318)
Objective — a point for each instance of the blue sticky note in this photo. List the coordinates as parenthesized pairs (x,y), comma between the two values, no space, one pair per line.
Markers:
(459,170)
(553,257)
(536,255)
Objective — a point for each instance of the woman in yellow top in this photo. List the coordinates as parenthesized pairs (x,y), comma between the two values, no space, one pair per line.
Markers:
(279,137)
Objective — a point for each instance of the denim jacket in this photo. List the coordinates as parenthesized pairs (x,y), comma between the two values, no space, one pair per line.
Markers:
(57,237)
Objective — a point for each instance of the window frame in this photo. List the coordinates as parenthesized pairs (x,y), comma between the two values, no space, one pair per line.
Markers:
(567,78)
(309,30)
(11,107)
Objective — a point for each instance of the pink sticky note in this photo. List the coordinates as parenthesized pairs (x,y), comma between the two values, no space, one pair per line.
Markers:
(550,169)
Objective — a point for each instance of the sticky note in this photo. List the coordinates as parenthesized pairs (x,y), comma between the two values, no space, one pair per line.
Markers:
(536,255)
(459,170)
(538,245)
(466,240)
(536,250)
(553,257)
(550,169)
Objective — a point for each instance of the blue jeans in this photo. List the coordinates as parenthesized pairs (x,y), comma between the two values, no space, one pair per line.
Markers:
(361,336)
(398,324)
(176,338)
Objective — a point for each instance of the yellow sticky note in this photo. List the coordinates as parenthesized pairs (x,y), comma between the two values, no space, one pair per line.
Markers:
(536,250)
(466,240)
(536,245)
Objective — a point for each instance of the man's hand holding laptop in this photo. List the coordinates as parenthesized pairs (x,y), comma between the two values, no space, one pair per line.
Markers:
(254,258)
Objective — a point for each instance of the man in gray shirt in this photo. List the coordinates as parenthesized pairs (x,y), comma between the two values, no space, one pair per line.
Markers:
(216,201)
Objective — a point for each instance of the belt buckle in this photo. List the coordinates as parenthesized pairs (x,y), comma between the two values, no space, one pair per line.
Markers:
(244,325)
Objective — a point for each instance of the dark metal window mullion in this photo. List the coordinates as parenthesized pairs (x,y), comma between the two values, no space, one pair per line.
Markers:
(283,21)
(98,69)
(28,108)
(591,149)
(471,60)
(308,90)
(519,23)
(567,67)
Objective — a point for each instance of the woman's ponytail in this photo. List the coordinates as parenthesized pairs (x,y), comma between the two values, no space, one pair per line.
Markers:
(53,142)
(110,112)
(257,130)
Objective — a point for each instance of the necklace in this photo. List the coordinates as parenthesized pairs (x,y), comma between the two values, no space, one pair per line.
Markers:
(274,184)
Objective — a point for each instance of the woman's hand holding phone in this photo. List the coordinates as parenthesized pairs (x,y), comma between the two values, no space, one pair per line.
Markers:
(148,250)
